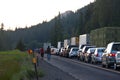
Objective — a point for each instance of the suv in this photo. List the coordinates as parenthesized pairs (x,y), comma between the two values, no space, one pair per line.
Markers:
(109,55)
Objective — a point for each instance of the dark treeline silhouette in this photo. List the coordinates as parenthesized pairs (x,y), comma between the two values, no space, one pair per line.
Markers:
(101,13)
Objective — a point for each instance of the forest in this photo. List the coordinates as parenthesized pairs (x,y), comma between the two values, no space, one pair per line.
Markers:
(101,13)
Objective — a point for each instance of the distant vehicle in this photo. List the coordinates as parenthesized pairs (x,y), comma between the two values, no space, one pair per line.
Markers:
(96,57)
(80,49)
(66,43)
(117,60)
(109,55)
(84,50)
(54,51)
(61,52)
(74,41)
(69,47)
(73,52)
(84,39)
(45,46)
(88,54)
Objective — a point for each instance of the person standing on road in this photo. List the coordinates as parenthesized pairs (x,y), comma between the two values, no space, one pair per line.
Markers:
(42,52)
(48,53)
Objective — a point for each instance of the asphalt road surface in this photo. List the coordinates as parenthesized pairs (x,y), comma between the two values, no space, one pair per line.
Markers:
(82,71)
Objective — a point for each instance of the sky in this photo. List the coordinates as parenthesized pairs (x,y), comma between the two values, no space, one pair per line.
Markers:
(22,13)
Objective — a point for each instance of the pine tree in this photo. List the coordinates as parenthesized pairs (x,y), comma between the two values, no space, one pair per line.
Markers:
(20,45)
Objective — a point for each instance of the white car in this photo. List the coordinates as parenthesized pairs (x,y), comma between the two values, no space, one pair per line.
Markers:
(73,52)
(97,56)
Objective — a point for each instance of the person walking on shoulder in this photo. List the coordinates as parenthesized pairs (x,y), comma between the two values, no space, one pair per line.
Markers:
(48,53)
(42,53)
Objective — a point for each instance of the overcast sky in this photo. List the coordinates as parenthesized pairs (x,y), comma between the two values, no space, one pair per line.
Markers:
(21,13)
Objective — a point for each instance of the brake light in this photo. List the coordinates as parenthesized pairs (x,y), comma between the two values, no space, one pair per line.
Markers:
(112,54)
(97,55)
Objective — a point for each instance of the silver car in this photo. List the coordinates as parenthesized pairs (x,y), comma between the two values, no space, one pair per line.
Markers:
(96,57)
(73,52)
(109,55)
(117,60)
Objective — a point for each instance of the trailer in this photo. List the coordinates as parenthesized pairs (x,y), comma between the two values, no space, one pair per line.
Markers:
(45,45)
(74,41)
(60,45)
(66,43)
(84,39)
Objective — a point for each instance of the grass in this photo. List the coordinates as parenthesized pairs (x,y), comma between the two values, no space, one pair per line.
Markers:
(16,65)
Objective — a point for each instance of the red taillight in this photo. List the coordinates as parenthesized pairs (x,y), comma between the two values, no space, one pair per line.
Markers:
(97,55)
(112,54)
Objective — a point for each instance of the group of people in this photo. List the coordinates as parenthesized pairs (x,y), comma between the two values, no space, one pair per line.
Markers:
(48,51)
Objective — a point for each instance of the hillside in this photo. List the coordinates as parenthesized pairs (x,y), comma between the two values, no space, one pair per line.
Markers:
(65,25)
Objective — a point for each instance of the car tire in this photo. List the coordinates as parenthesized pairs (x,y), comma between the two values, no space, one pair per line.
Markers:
(107,66)
(103,65)
(115,66)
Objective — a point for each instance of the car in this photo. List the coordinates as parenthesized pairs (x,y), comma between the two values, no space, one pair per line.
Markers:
(54,51)
(84,50)
(61,51)
(73,52)
(88,54)
(109,55)
(117,61)
(69,48)
(80,49)
(97,55)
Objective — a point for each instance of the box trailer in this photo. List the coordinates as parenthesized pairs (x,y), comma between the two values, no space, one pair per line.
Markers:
(84,39)
(74,41)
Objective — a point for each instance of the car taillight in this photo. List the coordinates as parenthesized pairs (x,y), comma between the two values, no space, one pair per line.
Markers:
(112,54)
(97,55)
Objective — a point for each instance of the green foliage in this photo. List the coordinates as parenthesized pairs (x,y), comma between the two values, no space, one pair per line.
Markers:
(16,65)
(57,31)
(101,13)
(103,36)
(20,46)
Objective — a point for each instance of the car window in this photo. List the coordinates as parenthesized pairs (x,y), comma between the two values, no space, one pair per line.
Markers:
(118,55)
(101,50)
(116,47)
(75,49)
(92,50)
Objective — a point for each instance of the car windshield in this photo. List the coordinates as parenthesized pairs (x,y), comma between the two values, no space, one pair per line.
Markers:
(75,49)
(116,47)
(101,50)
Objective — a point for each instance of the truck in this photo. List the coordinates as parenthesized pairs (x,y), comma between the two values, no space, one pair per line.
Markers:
(74,41)
(60,45)
(103,36)
(84,39)
(45,46)
(66,43)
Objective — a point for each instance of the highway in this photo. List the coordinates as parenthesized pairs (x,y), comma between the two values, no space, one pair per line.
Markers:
(83,71)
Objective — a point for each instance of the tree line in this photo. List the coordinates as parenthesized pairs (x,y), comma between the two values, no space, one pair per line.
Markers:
(101,13)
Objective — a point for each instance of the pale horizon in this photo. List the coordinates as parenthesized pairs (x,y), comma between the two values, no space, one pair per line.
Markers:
(22,13)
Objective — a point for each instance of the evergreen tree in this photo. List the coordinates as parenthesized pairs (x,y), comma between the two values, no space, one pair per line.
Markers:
(57,32)
(20,45)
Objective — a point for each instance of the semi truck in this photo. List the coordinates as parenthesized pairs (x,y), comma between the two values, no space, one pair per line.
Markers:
(45,46)
(66,43)
(84,39)
(60,45)
(74,41)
